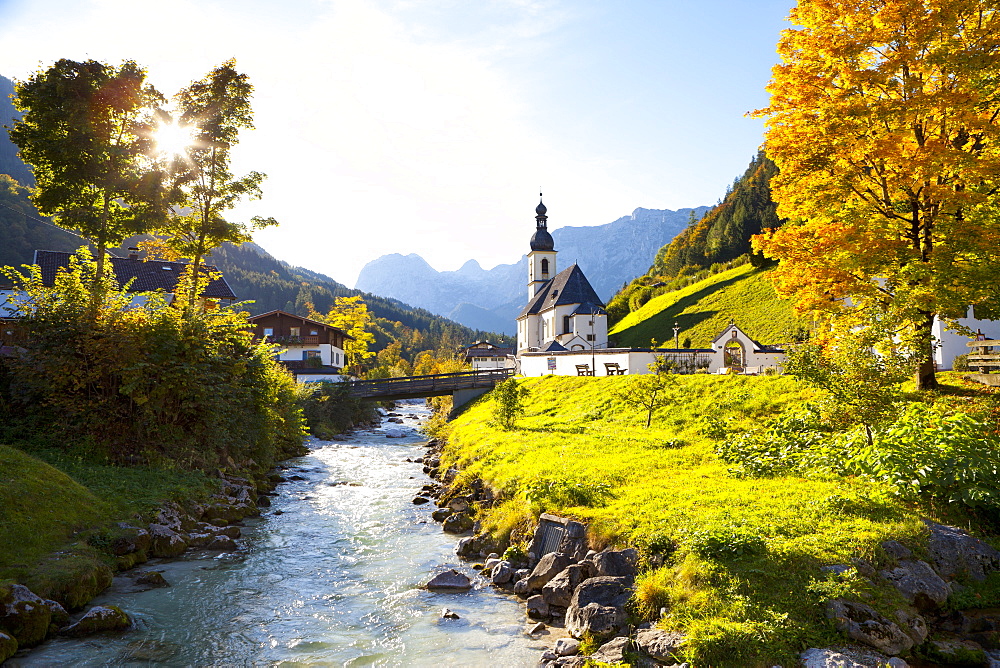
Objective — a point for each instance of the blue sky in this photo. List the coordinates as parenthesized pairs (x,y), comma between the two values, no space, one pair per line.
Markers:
(427,126)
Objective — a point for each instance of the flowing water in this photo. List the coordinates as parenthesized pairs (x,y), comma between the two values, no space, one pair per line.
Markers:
(330,575)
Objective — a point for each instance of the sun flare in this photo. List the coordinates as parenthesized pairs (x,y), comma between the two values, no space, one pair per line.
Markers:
(173,139)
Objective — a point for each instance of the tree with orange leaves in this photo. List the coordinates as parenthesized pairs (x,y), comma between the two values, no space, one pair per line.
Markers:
(884,120)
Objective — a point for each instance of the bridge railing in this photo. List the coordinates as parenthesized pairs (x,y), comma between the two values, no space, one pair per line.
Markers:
(437,382)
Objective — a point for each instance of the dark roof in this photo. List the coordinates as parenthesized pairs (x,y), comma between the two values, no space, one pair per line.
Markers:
(488,352)
(149,276)
(541,240)
(569,286)
(255,318)
(553,347)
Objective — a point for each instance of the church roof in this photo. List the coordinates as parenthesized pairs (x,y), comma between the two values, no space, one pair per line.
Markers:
(553,347)
(569,286)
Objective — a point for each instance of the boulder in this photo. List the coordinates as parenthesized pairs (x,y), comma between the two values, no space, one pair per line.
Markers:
(459,504)
(230,531)
(8,646)
(199,539)
(466,547)
(449,614)
(862,623)
(536,607)
(537,629)
(612,651)
(59,618)
(166,542)
(918,583)
(913,625)
(616,563)
(896,550)
(152,579)
(441,514)
(664,646)
(598,607)
(954,552)
(458,523)
(547,568)
(955,652)
(559,590)
(130,539)
(567,647)
(502,573)
(521,587)
(420,500)
(450,580)
(24,614)
(828,658)
(224,543)
(99,619)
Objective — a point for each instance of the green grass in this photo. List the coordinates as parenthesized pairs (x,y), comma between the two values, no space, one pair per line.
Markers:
(49,500)
(702,310)
(736,561)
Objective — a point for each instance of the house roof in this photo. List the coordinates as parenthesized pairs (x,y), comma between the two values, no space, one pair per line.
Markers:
(255,318)
(553,347)
(569,286)
(758,347)
(149,276)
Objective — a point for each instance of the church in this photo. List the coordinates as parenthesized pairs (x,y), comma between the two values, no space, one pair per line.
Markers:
(563,312)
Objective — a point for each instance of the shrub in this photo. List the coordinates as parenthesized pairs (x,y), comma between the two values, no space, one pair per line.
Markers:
(960,363)
(507,397)
(329,409)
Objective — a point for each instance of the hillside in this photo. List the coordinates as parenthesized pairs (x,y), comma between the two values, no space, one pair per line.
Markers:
(610,254)
(743,294)
(9,162)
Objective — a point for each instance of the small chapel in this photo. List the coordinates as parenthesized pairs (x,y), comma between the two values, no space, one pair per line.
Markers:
(563,312)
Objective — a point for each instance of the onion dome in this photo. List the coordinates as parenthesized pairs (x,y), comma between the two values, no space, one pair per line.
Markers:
(541,240)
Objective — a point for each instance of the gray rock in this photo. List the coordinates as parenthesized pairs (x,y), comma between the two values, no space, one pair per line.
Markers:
(918,583)
(521,574)
(458,523)
(502,573)
(955,652)
(896,662)
(567,647)
(152,579)
(616,564)
(862,623)
(521,587)
(165,541)
(914,626)
(224,543)
(132,540)
(828,658)
(24,615)
(441,514)
(954,552)
(450,580)
(547,568)
(8,646)
(466,546)
(420,500)
(661,645)
(897,550)
(99,619)
(459,504)
(449,614)
(598,607)
(537,629)
(536,607)
(612,651)
(60,617)
(491,562)
(559,590)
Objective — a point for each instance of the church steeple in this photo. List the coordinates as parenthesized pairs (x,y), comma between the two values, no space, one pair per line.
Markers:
(542,258)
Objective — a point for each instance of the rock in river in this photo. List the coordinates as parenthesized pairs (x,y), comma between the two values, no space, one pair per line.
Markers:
(450,580)
(99,618)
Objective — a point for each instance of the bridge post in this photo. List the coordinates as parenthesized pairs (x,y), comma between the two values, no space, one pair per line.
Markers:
(461,397)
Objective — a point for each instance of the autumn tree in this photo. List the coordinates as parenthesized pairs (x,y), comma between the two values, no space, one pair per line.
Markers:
(350,314)
(86,131)
(884,120)
(212,110)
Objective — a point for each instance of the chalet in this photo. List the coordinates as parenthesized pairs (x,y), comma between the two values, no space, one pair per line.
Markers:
(312,350)
(485,355)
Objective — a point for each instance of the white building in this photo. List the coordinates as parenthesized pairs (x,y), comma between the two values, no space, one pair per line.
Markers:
(483,355)
(563,312)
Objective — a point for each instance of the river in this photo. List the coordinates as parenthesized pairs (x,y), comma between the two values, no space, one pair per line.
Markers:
(330,575)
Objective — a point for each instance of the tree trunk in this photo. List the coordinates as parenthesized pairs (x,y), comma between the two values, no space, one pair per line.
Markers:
(926,379)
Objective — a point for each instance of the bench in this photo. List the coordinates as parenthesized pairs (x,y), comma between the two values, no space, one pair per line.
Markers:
(584,370)
(612,369)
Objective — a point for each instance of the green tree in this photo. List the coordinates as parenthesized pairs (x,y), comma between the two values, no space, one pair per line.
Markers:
(351,315)
(86,132)
(652,390)
(508,403)
(213,110)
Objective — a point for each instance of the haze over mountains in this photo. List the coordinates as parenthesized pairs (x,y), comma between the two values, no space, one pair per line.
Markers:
(610,255)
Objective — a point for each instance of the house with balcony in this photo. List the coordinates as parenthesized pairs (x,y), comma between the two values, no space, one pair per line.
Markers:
(313,351)
(486,355)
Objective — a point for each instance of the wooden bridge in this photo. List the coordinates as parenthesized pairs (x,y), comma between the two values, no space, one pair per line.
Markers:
(463,383)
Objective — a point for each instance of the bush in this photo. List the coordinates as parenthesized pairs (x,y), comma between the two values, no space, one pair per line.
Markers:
(330,410)
(507,397)
(960,363)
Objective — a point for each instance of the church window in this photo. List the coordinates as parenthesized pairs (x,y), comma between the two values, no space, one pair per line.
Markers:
(567,324)
(590,337)
(545,266)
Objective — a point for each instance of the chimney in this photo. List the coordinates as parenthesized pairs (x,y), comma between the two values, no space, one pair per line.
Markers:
(133,253)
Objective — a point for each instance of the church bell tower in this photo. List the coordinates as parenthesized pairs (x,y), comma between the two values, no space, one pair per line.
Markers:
(542,258)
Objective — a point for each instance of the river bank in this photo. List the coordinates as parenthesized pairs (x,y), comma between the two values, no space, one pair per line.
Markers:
(330,573)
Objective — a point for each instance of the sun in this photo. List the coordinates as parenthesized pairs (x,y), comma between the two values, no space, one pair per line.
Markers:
(173,139)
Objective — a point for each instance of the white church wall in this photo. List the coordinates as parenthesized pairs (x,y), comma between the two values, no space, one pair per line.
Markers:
(951,344)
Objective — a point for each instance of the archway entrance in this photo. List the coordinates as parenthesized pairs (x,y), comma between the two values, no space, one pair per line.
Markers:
(734,356)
